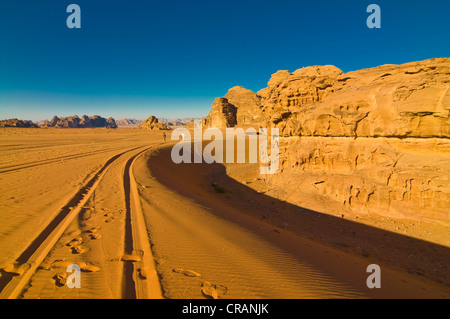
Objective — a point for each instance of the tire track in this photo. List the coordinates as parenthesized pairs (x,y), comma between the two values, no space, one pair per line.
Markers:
(12,168)
(12,284)
(142,280)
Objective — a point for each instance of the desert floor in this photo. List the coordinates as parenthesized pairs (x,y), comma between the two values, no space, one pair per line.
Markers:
(140,226)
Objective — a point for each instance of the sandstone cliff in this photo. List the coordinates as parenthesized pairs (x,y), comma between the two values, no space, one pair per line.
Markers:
(369,141)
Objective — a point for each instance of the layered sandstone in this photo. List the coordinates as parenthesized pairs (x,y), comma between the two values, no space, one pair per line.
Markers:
(369,141)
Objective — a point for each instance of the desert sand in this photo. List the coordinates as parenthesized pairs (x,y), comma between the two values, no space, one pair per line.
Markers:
(63,200)
(140,226)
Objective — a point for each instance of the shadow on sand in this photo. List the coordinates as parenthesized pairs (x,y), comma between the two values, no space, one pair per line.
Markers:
(379,246)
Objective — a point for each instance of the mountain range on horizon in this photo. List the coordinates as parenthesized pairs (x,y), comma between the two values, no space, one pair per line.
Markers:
(90,122)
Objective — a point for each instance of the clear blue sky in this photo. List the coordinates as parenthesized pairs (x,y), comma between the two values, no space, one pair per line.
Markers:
(171,58)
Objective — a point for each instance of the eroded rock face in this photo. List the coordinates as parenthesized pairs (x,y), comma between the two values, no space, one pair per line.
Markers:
(388,176)
(409,100)
(370,141)
(248,106)
(222,115)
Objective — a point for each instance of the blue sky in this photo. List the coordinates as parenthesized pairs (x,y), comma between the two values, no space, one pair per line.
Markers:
(171,58)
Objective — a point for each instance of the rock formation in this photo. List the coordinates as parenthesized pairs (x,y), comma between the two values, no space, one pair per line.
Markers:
(248,106)
(16,123)
(369,141)
(76,122)
(152,123)
(222,114)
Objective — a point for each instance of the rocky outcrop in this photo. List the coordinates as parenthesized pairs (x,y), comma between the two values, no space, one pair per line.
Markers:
(152,123)
(369,141)
(388,176)
(222,114)
(248,106)
(16,123)
(97,121)
(76,122)
(409,100)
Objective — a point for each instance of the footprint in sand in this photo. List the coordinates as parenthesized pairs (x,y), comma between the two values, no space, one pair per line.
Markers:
(86,215)
(109,219)
(60,279)
(77,250)
(93,229)
(186,272)
(209,290)
(62,263)
(93,233)
(45,266)
(95,236)
(213,291)
(75,242)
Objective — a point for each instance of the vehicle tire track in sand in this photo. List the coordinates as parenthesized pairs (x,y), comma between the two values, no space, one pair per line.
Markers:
(13,168)
(142,281)
(13,283)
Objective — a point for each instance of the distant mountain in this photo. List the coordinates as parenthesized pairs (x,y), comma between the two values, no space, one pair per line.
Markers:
(178,122)
(76,122)
(16,123)
(122,123)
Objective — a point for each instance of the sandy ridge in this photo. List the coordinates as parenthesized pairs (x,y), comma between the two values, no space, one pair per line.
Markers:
(146,282)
